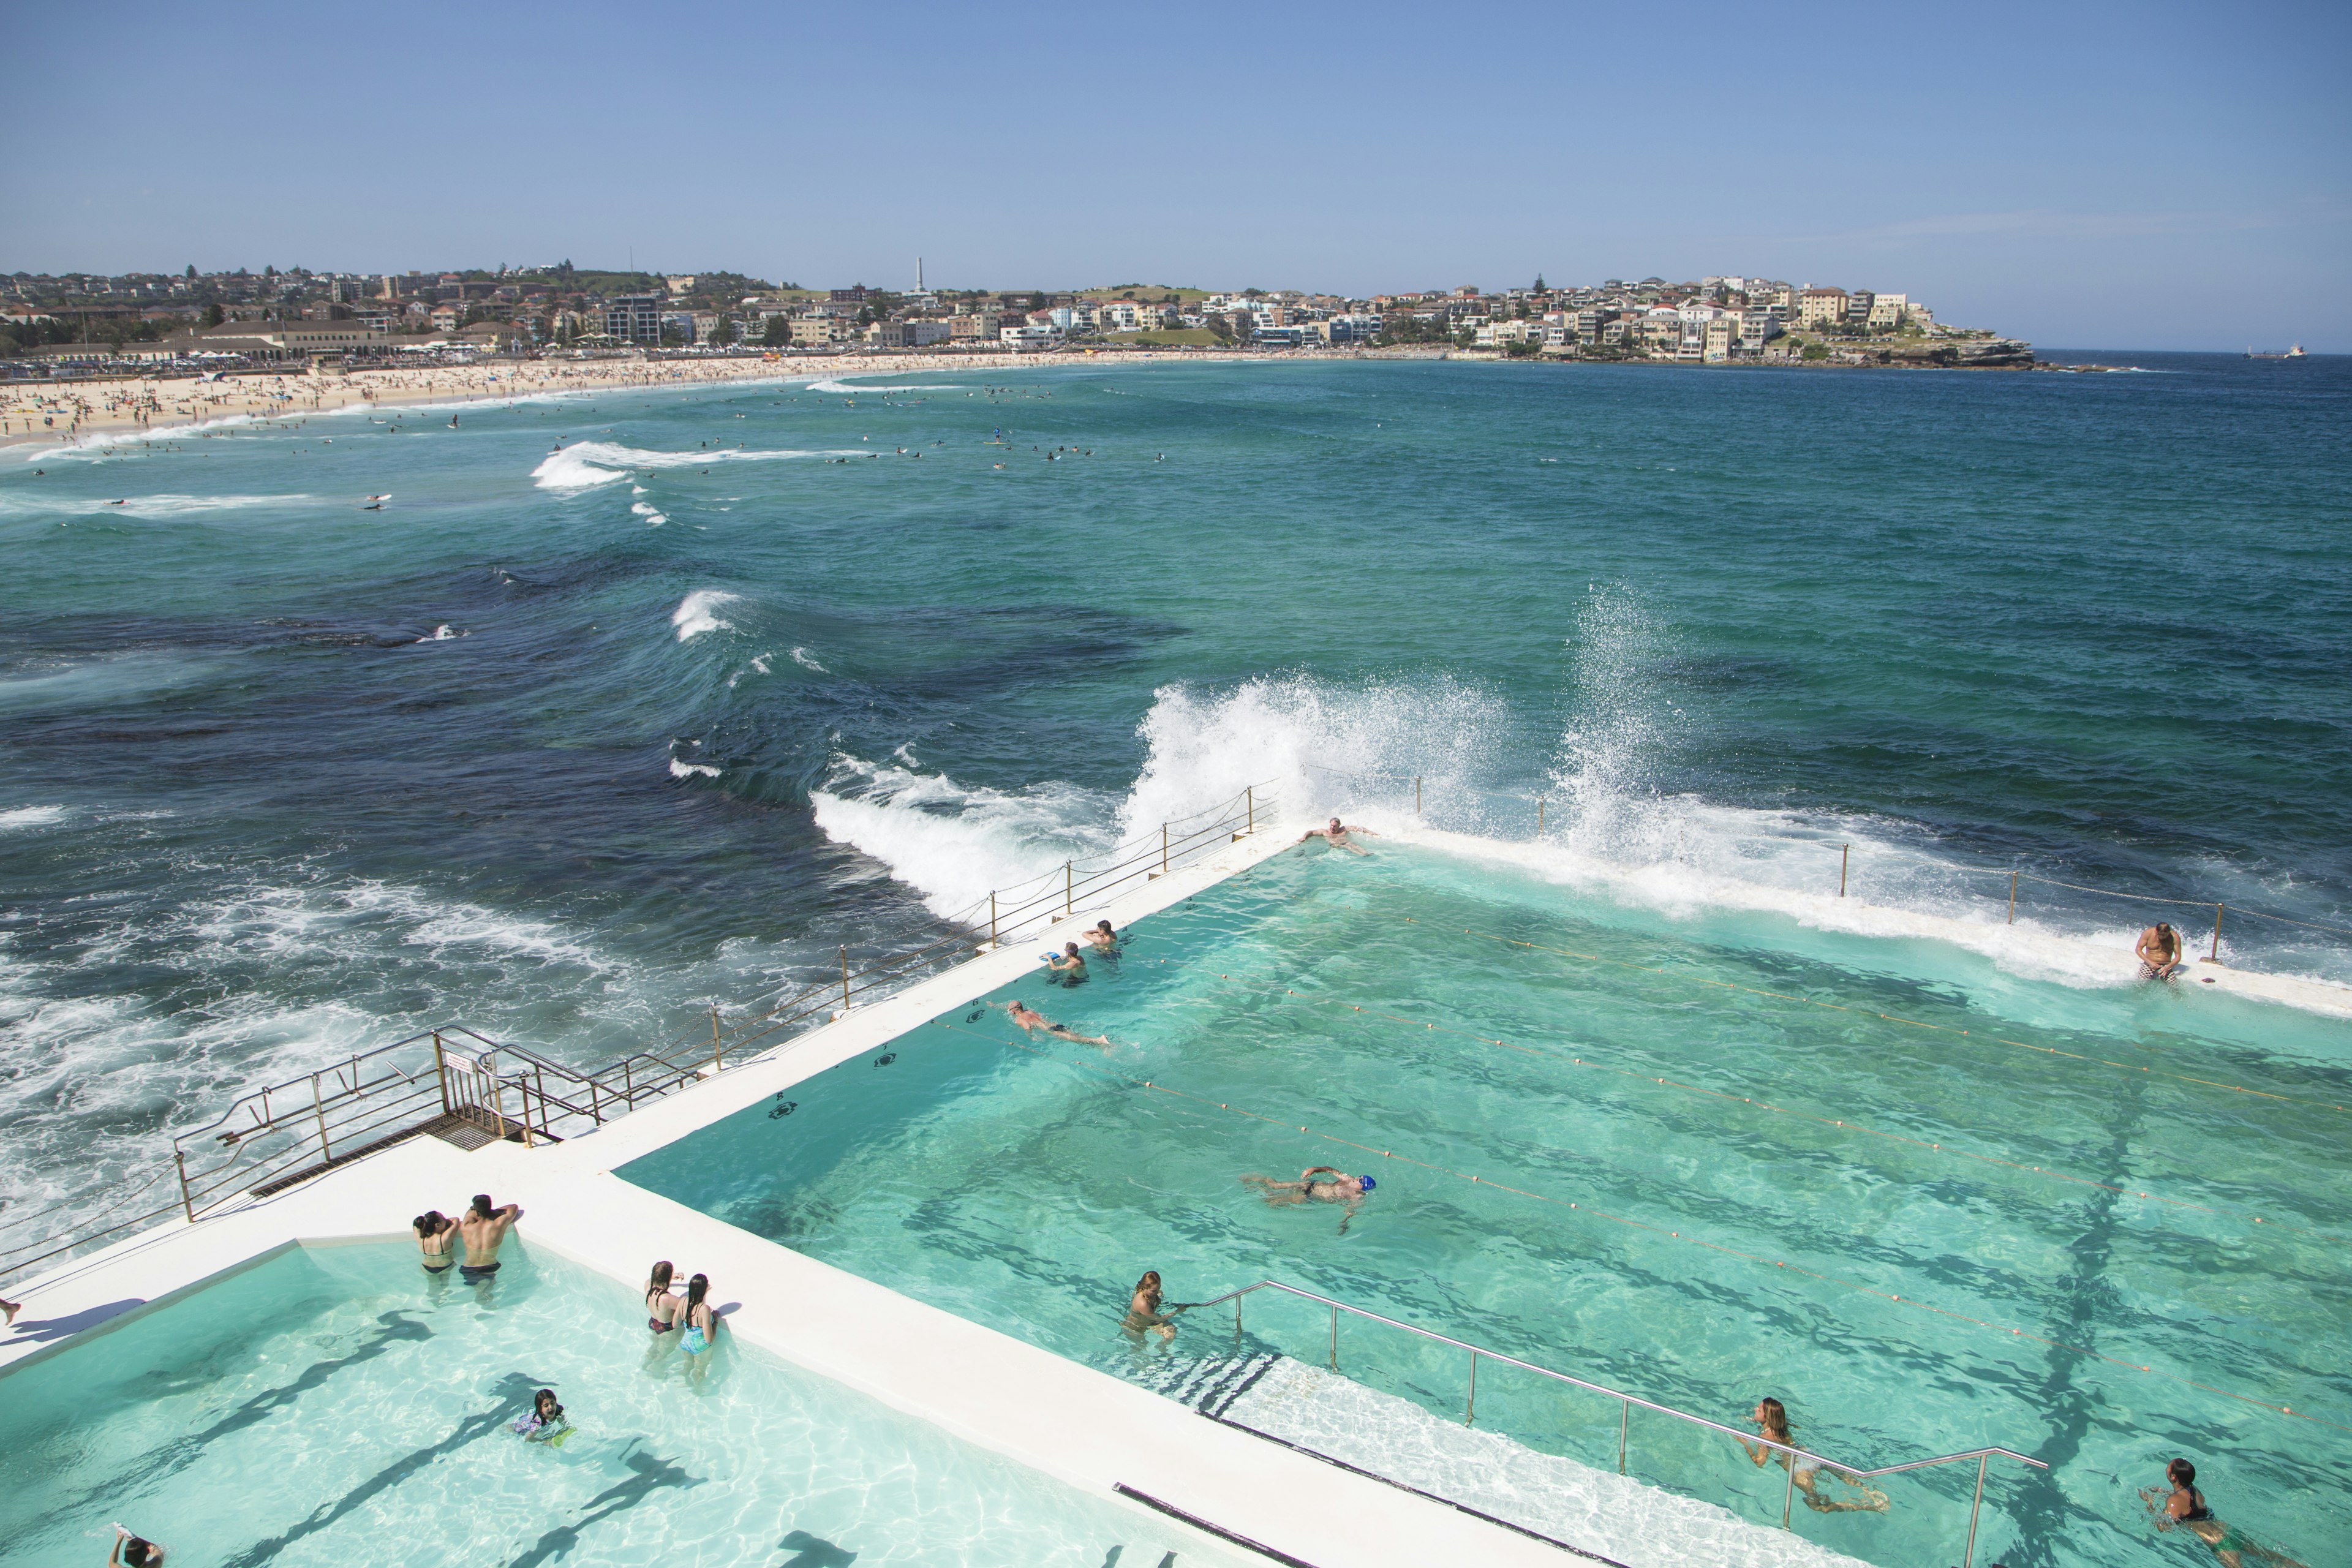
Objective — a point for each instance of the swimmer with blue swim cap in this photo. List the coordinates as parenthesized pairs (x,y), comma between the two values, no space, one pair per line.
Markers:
(1336,1186)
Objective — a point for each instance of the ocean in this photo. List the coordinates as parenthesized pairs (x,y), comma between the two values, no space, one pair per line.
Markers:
(570,744)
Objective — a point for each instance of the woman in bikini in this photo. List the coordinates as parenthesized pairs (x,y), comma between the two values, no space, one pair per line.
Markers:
(435,1232)
(1144,1313)
(661,1307)
(1771,1418)
(2185,1506)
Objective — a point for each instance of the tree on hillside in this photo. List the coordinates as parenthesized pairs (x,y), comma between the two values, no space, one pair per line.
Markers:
(214,314)
(779,333)
(722,331)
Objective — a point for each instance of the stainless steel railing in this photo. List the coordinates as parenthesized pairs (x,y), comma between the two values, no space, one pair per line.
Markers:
(1627,1403)
(284,1133)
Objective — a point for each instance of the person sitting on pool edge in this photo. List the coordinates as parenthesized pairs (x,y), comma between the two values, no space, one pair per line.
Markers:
(485,1225)
(1341,1188)
(2159,952)
(1031,1021)
(1337,836)
(1067,965)
(2185,1506)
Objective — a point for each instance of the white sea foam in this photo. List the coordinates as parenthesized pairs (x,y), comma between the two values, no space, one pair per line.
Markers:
(24,817)
(654,519)
(805,659)
(586,464)
(440,633)
(697,613)
(954,842)
(149,507)
(850,389)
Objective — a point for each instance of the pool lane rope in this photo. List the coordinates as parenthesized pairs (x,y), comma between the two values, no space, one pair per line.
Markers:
(1629,1223)
(1888,1017)
(1634,1076)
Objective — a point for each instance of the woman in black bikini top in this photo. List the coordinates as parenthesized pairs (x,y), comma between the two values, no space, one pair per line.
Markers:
(659,1303)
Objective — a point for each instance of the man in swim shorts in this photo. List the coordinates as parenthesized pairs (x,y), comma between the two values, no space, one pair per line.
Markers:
(1337,836)
(1336,1186)
(483,1228)
(2159,952)
(1032,1021)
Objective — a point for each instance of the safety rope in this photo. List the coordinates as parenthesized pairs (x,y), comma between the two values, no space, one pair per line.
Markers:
(1631,1224)
(1632,1075)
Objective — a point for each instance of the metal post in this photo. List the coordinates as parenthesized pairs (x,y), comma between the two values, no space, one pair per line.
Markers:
(1790,1496)
(1237,1322)
(717,1057)
(1417,794)
(1624,1419)
(1539,808)
(2214,955)
(1844,850)
(1249,798)
(992,917)
(2013,898)
(1163,849)
(1335,1339)
(1470,1415)
(1967,1558)
(1068,895)
(844,978)
(441,1072)
(318,1110)
(187,1203)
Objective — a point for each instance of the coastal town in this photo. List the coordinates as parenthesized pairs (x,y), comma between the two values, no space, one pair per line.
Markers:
(145,324)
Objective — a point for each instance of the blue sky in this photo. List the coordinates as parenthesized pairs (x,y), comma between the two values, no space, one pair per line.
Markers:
(2147,175)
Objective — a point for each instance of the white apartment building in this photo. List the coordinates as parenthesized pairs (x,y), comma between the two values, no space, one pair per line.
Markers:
(1888,310)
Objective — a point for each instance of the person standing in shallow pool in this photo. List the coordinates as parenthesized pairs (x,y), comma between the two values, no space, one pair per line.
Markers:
(2185,1506)
(1143,1310)
(700,1321)
(1771,1418)
(661,1307)
(435,1233)
(1105,940)
(486,1225)
(1068,967)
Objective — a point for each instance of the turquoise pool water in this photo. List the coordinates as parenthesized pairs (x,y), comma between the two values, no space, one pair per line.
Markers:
(335,1406)
(1028,1188)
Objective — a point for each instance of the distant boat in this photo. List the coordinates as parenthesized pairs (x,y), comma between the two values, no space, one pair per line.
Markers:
(2295,351)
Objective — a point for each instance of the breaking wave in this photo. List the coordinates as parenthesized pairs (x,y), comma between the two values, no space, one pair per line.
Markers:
(587,464)
(697,613)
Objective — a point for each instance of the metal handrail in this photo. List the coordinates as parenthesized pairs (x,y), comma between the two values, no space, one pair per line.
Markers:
(1627,1403)
(354,1102)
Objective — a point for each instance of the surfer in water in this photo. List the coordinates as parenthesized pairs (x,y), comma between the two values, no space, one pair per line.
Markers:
(1337,836)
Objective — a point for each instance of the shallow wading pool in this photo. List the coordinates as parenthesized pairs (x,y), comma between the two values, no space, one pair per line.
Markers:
(335,1406)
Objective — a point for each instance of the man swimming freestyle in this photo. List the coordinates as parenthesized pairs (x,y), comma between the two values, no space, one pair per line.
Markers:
(1338,1188)
(1337,836)
(1031,1021)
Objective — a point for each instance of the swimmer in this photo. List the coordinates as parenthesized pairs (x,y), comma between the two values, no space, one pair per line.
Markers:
(1338,1188)
(1143,1310)
(1031,1021)
(132,1551)
(545,1424)
(2159,952)
(1105,939)
(484,1227)
(435,1232)
(1068,963)
(2185,1506)
(1771,1418)
(661,1307)
(1337,836)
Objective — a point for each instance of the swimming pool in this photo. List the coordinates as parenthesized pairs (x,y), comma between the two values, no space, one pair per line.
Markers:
(1924,1241)
(333,1406)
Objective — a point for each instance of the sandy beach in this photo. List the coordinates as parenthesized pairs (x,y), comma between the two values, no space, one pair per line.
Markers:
(52,412)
